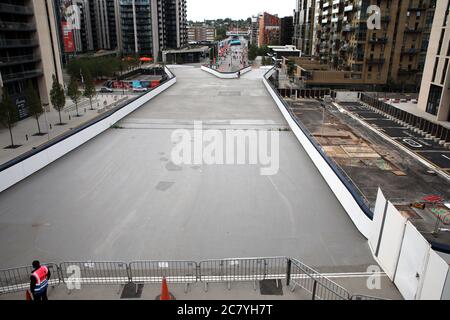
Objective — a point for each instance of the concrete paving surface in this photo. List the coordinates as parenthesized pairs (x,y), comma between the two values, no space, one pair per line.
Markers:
(120,198)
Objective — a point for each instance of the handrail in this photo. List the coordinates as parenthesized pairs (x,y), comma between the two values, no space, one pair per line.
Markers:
(347,183)
(180,272)
(225,72)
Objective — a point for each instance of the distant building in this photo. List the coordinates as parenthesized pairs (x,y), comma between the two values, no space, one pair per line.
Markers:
(269,30)
(29,50)
(392,55)
(201,33)
(286,30)
(254,30)
(434,95)
(304,23)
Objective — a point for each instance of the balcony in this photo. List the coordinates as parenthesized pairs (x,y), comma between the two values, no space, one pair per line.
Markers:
(410,51)
(10,8)
(18,43)
(14,60)
(411,30)
(373,61)
(378,40)
(22,75)
(17,26)
(407,71)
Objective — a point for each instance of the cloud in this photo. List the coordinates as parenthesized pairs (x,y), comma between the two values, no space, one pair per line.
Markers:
(199,10)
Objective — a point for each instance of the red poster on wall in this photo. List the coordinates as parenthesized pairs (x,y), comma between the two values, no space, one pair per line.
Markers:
(69,45)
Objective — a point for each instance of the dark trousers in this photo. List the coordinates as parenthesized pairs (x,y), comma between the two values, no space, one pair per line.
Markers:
(41,296)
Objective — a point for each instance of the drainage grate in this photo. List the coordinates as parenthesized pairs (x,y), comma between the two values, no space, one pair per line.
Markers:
(132,291)
(271,288)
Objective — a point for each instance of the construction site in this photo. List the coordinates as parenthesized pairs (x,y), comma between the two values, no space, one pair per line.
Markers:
(361,141)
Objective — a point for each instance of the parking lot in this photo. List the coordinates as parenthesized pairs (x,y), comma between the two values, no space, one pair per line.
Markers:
(428,149)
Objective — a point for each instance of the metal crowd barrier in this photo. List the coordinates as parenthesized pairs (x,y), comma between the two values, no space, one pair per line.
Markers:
(183,272)
(226,271)
(95,272)
(18,279)
(238,270)
(313,282)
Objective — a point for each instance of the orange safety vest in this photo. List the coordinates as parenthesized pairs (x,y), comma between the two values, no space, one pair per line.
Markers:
(41,279)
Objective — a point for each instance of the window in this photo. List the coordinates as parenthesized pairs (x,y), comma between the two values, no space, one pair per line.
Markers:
(436,63)
(444,72)
(434,99)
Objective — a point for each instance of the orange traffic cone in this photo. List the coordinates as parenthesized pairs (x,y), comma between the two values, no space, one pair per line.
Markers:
(165,294)
(28,296)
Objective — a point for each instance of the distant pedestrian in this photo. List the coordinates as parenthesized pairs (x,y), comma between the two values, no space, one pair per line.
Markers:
(39,281)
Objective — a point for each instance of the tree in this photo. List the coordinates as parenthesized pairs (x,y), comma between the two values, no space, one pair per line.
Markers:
(57,97)
(89,89)
(74,93)
(34,105)
(291,69)
(9,115)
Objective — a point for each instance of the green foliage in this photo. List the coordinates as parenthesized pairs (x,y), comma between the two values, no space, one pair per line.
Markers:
(89,88)
(100,67)
(57,97)
(291,68)
(34,104)
(255,51)
(74,93)
(9,115)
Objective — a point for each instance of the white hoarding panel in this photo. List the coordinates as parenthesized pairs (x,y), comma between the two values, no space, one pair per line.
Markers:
(434,278)
(411,266)
(391,241)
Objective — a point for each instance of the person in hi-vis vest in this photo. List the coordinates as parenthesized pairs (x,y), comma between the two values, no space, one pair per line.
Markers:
(39,281)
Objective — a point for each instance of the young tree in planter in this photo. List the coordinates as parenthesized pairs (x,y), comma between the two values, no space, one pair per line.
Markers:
(89,89)
(58,98)
(9,115)
(74,93)
(34,105)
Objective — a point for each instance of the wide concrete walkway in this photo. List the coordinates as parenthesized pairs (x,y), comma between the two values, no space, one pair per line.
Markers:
(119,197)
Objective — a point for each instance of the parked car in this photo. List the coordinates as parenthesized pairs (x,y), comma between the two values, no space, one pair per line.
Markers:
(106,90)
(139,89)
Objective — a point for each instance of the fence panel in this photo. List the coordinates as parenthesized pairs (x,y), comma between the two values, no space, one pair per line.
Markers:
(18,279)
(95,272)
(254,269)
(318,285)
(154,271)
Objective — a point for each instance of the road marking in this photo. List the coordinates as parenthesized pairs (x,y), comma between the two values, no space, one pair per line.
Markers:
(446,157)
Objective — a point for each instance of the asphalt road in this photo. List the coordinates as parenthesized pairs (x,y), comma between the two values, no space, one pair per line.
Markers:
(433,152)
(119,197)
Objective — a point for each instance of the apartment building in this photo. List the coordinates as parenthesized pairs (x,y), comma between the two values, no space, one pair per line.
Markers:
(392,55)
(269,30)
(148,27)
(286,30)
(254,30)
(105,25)
(29,49)
(304,26)
(201,33)
(435,89)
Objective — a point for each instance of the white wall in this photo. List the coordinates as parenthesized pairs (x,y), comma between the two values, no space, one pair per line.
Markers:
(348,202)
(434,278)
(412,263)
(391,241)
(27,167)
(230,75)
(378,220)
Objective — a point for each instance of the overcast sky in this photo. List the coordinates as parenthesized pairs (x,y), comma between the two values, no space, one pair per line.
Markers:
(199,10)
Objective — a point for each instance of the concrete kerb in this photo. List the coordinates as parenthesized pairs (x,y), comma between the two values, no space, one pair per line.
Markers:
(226,75)
(25,165)
(357,214)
